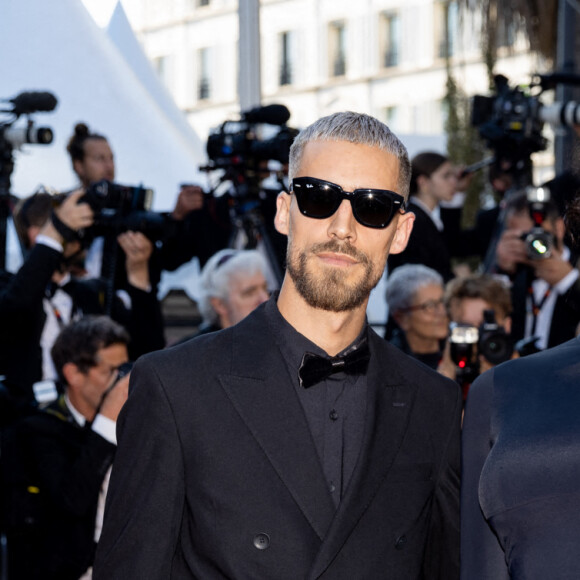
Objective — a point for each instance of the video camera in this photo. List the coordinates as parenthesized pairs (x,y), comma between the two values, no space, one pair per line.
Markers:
(13,137)
(118,208)
(512,120)
(468,342)
(240,147)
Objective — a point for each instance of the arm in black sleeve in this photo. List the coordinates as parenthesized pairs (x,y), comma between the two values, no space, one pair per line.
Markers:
(22,293)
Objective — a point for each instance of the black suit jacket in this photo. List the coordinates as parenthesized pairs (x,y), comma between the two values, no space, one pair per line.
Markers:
(53,471)
(427,246)
(217,476)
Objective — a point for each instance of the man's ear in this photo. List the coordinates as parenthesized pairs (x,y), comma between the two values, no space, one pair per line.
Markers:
(78,167)
(282,212)
(402,233)
(72,374)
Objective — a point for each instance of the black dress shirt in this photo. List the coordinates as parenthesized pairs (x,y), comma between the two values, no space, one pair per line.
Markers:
(334,408)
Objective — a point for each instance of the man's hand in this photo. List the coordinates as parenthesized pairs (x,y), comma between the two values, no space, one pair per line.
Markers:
(72,214)
(115,399)
(190,199)
(138,249)
(511,251)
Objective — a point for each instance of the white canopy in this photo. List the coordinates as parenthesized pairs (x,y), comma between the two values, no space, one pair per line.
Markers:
(57,47)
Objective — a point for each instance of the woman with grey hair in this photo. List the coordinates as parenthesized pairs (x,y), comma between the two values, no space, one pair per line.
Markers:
(415,300)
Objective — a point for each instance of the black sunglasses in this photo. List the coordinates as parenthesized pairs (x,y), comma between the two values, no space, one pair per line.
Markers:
(319,199)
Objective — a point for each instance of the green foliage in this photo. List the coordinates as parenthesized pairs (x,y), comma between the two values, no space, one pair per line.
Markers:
(464,146)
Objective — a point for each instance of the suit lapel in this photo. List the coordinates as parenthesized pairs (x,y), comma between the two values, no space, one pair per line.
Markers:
(389,402)
(265,399)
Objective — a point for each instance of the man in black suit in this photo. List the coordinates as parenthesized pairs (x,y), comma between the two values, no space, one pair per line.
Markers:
(297,443)
(56,462)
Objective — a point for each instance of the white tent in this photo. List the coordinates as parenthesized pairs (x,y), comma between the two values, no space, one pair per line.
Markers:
(57,47)
(121,34)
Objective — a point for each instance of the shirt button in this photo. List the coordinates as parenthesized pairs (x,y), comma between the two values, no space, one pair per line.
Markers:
(332,488)
(262,541)
(333,415)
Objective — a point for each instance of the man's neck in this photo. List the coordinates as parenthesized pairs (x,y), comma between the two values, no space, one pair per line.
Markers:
(331,331)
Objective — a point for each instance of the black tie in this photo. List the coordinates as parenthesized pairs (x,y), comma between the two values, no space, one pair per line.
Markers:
(316,368)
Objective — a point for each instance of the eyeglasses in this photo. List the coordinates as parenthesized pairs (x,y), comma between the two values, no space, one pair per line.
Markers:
(429,306)
(373,208)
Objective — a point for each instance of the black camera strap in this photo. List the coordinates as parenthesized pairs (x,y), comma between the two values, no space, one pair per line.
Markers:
(68,234)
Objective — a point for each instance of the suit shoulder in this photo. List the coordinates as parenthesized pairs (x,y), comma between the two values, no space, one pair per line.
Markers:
(412,370)
(191,351)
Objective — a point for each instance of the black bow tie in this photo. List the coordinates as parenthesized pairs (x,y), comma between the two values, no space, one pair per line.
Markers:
(315,368)
(52,287)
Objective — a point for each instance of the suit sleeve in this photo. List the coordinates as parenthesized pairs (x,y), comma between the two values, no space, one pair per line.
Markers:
(146,493)
(481,555)
(22,293)
(442,556)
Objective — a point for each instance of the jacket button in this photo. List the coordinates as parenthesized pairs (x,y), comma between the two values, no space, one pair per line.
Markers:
(262,541)
(400,542)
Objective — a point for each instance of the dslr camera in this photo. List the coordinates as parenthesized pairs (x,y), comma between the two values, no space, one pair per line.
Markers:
(468,342)
(118,208)
(539,242)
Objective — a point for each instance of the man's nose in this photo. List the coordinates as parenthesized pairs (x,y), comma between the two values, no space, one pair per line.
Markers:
(342,222)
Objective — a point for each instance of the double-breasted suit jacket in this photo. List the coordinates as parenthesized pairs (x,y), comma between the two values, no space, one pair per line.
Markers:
(216,474)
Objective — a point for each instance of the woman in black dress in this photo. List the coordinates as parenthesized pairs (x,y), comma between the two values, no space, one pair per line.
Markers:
(521,466)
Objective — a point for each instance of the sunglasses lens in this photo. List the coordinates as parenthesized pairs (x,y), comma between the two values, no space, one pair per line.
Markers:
(373,210)
(318,201)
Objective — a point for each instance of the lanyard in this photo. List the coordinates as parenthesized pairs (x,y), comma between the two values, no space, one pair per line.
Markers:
(536,307)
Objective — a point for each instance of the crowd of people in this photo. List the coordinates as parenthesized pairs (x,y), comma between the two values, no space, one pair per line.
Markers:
(285,438)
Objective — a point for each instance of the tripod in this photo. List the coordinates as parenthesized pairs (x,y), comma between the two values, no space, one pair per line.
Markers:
(251,208)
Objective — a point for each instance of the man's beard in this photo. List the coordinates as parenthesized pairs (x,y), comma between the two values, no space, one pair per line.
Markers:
(328,288)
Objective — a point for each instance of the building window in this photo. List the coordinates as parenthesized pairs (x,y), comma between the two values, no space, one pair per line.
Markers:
(448,28)
(203,76)
(286,60)
(337,38)
(390,39)
(203,2)
(161,66)
(506,33)
(393,118)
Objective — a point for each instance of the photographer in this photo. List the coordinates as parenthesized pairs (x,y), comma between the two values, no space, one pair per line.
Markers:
(482,303)
(57,462)
(197,226)
(545,281)
(43,296)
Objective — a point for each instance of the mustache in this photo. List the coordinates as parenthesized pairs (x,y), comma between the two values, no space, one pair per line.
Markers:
(340,248)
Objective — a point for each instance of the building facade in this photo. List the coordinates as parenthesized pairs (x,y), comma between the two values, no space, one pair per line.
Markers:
(382,57)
